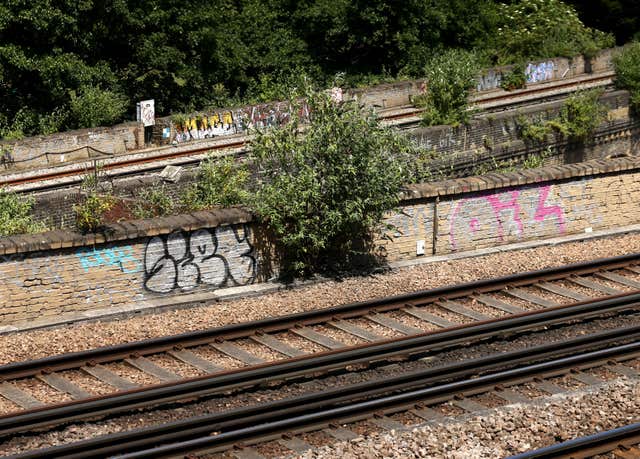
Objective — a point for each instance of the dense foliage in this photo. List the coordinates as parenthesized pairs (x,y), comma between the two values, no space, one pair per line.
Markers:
(221,182)
(627,65)
(451,76)
(78,63)
(325,190)
(579,117)
(15,215)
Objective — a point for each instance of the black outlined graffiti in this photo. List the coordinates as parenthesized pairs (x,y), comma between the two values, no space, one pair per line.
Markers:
(222,256)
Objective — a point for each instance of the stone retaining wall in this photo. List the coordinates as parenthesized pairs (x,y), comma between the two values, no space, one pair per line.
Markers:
(138,262)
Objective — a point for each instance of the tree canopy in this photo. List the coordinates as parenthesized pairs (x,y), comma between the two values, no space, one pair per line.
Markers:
(77,63)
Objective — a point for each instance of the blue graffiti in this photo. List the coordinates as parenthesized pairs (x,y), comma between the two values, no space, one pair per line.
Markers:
(122,257)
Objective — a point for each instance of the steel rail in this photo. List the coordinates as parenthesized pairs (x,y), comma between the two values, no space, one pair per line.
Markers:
(241,425)
(294,368)
(282,323)
(590,445)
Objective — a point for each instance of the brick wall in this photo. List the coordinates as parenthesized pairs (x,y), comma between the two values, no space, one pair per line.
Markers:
(496,209)
(138,262)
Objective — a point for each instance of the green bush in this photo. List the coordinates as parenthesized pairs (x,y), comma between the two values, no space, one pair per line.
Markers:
(322,193)
(627,66)
(582,113)
(579,117)
(221,182)
(514,78)
(533,29)
(96,107)
(15,215)
(451,75)
(90,212)
(154,202)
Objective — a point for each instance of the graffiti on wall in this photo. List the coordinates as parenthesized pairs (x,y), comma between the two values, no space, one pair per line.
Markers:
(506,214)
(122,257)
(489,80)
(411,221)
(541,71)
(238,121)
(213,257)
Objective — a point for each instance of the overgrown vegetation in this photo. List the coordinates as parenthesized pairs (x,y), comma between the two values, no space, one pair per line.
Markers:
(15,215)
(543,28)
(221,182)
(530,161)
(579,117)
(514,78)
(627,65)
(93,203)
(69,64)
(451,77)
(153,202)
(323,192)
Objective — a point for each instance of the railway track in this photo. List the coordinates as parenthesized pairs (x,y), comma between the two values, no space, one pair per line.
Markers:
(375,399)
(191,155)
(409,325)
(622,443)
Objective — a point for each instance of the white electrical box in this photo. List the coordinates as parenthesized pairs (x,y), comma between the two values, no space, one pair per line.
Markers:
(420,247)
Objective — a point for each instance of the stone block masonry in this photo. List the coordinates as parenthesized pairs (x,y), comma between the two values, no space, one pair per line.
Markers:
(137,262)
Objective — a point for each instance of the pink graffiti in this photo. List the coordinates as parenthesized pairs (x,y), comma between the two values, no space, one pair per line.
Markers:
(499,203)
(542,210)
(498,206)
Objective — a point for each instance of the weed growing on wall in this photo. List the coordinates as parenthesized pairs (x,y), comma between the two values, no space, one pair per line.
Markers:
(627,66)
(578,119)
(89,211)
(221,182)
(15,215)
(451,76)
(322,191)
(514,78)
(154,202)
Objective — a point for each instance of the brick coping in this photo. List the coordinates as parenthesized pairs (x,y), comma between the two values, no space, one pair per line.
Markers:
(134,229)
(494,180)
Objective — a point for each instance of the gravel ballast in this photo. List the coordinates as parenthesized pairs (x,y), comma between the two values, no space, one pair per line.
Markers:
(502,431)
(41,343)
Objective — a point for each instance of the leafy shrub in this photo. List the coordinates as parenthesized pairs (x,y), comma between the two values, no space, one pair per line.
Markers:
(451,75)
(15,215)
(544,28)
(220,183)
(96,107)
(321,191)
(154,202)
(579,117)
(536,130)
(582,114)
(89,212)
(627,66)
(514,78)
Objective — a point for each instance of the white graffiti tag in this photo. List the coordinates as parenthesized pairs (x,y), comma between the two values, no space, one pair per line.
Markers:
(211,257)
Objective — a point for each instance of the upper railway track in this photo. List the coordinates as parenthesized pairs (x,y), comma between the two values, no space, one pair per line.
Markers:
(190,155)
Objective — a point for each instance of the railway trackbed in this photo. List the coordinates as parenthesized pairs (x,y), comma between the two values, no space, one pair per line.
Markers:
(132,366)
(136,163)
(439,313)
(413,325)
(332,410)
